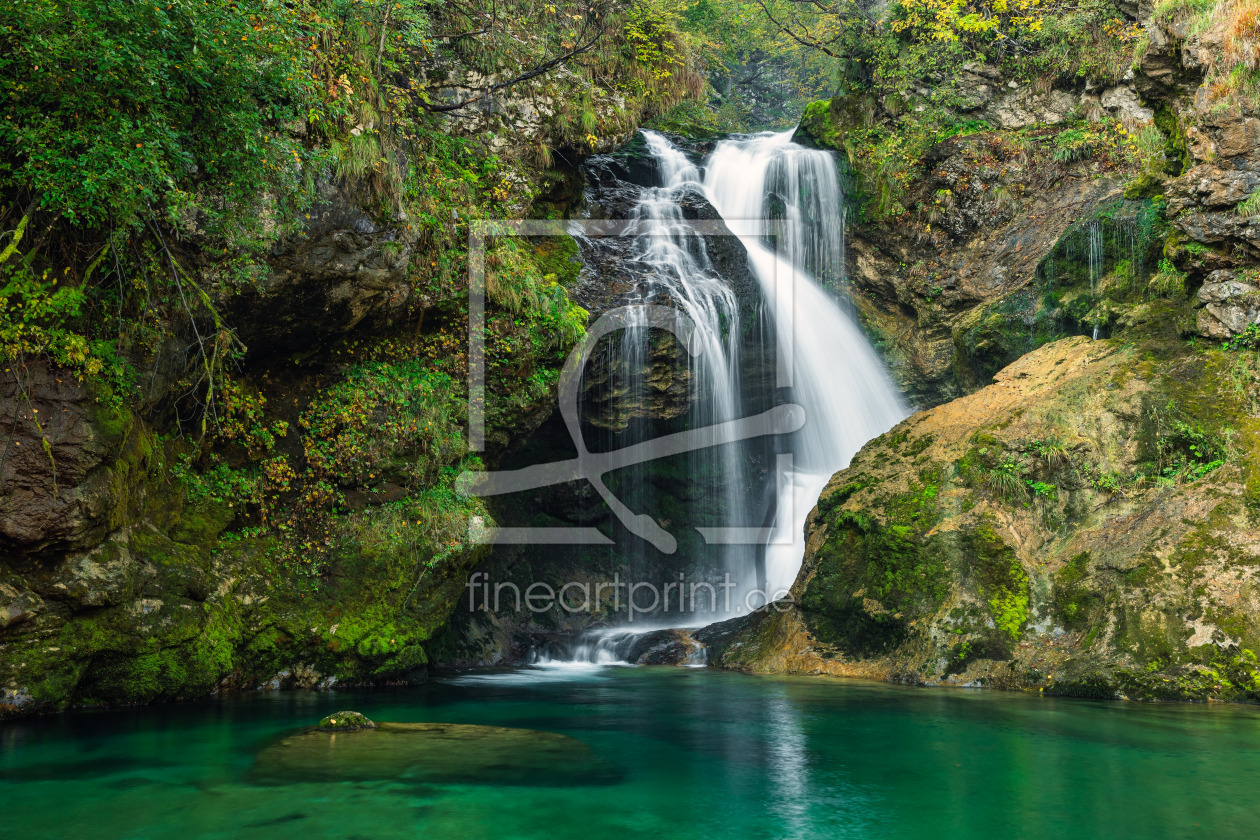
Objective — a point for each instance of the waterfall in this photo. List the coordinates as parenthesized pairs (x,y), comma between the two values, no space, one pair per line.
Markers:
(611,646)
(784,204)
(677,271)
(835,373)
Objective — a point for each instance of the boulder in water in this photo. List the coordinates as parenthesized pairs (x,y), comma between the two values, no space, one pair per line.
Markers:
(345,722)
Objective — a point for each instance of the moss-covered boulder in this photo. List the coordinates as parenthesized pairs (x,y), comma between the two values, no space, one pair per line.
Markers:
(345,722)
(1089,524)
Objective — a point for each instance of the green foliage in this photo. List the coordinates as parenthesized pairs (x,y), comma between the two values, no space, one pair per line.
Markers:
(1076,144)
(34,314)
(759,78)
(255,488)
(908,58)
(1232,76)
(1044,491)
(893,568)
(1249,206)
(1176,448)
(1248,339)
(1006,481)
(1110,483)
(1051,450)
(515,282)
(242,418)
(1168,281)
(400,423)
(119,112)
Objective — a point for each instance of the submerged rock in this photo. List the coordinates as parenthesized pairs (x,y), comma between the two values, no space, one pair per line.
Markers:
(430,752)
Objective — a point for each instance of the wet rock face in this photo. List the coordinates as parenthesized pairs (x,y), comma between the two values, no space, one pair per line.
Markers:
(348,271)
(994,218)
(17,604)
(1222,144)
(1078,526)
(65,460)
(1021,108)
(614,277)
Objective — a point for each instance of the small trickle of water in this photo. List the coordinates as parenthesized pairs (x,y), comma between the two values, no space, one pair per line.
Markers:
(1096,259)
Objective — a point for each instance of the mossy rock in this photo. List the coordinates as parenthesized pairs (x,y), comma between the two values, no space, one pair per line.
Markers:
(345,722)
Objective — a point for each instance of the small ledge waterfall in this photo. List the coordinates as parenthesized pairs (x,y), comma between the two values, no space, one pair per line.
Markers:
(785,205)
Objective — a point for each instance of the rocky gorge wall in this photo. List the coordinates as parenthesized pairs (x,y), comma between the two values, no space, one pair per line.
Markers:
(1087,524)
(1025,536)
(258,492)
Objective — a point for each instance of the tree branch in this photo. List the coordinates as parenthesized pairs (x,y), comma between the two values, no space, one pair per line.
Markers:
(523,77)
(800,39)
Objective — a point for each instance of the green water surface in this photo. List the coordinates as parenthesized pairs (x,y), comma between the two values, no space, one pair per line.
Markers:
(681,753)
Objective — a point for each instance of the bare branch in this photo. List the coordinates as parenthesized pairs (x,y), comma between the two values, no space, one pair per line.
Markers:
(822,47)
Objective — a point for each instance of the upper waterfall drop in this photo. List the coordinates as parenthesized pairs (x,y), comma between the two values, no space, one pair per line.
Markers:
(767,187)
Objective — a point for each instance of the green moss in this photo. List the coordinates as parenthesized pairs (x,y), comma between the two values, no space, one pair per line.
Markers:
(919,445)
(558,257)
(1178,147)
(823,123)
(1075,602)
(1003,583)
(830,503)
(1146,185)
(872,578)
(345,722)
(1096,686)
(1230,674)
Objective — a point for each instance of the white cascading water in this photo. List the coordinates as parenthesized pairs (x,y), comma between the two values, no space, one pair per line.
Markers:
(836,374)
(681,275)
(1096,256)
(759,185)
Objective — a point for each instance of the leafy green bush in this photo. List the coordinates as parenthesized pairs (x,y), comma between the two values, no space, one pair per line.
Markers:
(1169,281)
(116,113)
(1006,481)
(1077,144)
(1248,339)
